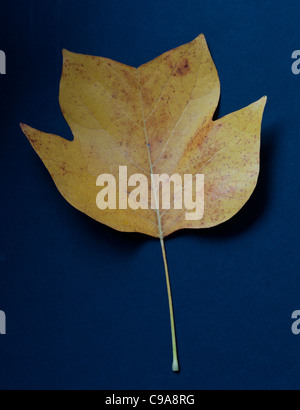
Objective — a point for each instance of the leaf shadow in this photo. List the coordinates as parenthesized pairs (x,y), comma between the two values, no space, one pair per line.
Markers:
(258,203)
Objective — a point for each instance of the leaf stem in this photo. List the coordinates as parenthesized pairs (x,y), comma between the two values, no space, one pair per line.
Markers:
(175,365)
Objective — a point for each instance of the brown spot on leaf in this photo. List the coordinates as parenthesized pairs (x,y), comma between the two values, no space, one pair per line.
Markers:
(183,68)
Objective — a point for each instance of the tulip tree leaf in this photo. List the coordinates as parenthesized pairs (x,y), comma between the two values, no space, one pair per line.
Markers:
(156,119)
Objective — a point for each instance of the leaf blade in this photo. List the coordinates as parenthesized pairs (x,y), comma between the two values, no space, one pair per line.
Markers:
(154,119)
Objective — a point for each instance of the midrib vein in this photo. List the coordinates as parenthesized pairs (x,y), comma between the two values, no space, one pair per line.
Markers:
(153,187)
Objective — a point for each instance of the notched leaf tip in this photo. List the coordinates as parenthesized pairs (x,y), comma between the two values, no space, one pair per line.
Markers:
(261,103)
(264,99)
(66,53)
(201,38)
(23,126)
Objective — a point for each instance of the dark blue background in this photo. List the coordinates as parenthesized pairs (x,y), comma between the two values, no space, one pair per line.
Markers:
(87,306)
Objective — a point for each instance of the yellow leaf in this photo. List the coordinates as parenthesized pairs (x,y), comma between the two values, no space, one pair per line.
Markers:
(156,119)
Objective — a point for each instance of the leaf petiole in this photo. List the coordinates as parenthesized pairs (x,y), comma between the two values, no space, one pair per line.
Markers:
(175,364)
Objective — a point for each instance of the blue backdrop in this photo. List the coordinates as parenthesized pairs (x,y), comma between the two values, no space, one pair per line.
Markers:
(87,306)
